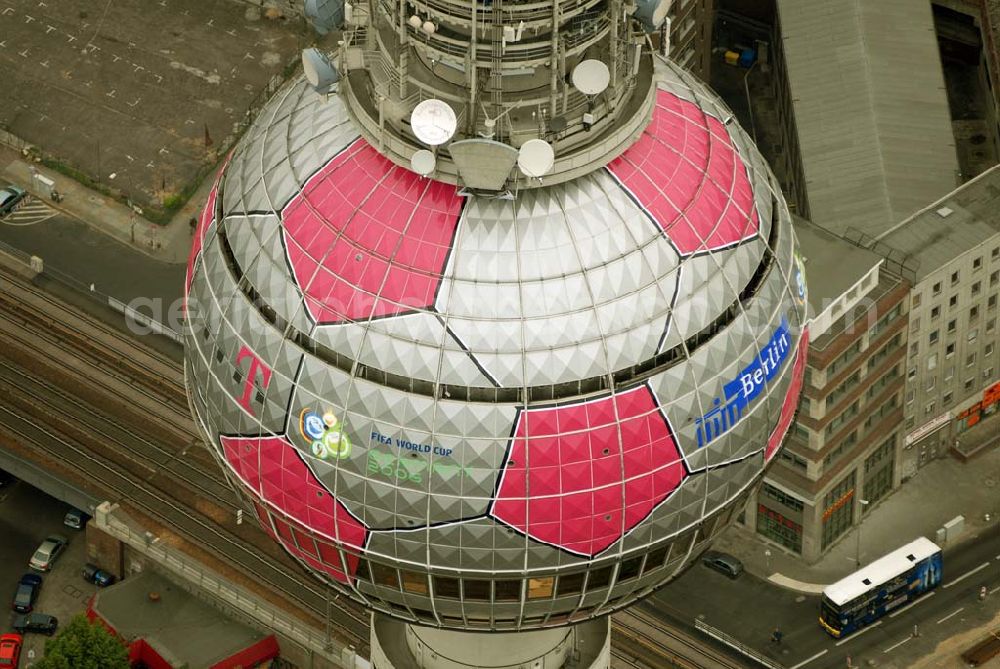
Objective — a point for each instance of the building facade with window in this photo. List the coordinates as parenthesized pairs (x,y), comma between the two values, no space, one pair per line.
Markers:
(845,443)
(691,35)
(953,247)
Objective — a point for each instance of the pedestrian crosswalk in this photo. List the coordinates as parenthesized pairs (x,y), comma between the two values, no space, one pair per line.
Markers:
(30,212)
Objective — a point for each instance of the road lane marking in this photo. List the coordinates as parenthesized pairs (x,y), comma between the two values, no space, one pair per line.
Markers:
(951,615)
(913,603)
(897,645)
(814,657)
(966,575)
(857,634)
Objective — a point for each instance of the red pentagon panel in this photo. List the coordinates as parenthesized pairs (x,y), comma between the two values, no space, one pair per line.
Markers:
(686,174)
(367,238)
(273,469)
(207,214)
(791,401)
(573,482)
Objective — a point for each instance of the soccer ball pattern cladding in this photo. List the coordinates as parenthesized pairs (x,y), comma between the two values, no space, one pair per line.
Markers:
(495,413)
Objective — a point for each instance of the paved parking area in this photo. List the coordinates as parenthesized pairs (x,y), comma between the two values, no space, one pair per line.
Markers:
(27,516)
(126,91)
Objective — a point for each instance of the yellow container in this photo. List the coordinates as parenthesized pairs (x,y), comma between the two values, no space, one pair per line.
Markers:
(732,57)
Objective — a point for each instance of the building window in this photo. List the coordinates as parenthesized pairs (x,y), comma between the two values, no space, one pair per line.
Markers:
(991,325)
(932,338)
(988,350)
(929,409)
(932,361)
(916,300)
(877,485)
(935,312)
(977,263)
(991,302)
(976,288)
(970,359)
(994,278)
(953,301)
(973,333)
(931,382)
(954,277)
(949,373)
(946,400)
(792,459)
(911,374)
(779,529)
(880,454)
(772,493)
(973,314)
(968,383)
(936,290)
(995,253)
(838,510)
(915,324)
(988,373)
(949,350)
(952,326)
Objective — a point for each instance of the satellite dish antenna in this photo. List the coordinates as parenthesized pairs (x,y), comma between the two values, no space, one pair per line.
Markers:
(324,15)
(536,158)
(320,72)
(423,162)
(591,77)
(433,122)
(652,13)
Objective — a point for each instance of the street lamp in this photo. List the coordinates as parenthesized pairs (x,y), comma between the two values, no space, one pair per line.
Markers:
(857,550)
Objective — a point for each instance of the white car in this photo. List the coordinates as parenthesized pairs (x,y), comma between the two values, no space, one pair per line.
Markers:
(46,555)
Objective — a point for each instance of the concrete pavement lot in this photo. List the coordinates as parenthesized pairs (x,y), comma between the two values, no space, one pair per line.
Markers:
(128,87)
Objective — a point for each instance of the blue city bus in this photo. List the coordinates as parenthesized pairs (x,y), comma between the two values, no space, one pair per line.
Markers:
(886,584)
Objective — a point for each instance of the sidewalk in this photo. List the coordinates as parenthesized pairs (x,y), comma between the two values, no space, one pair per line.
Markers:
(170,243)
(940,491)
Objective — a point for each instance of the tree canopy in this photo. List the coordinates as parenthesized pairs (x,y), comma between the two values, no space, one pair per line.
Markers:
(84,645)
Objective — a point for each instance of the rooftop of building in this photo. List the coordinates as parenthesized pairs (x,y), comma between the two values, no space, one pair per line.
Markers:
(870,109)
(182,629)
(948,228)
(833,264)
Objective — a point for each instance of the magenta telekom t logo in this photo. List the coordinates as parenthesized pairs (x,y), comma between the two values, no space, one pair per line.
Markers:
(255,366)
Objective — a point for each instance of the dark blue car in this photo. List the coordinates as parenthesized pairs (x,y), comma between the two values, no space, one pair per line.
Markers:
(27,593)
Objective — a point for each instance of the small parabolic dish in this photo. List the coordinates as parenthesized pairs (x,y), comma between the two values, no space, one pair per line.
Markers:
(536,158)
(325,15)
(652,13)
(319,71)
(433,122)
(423,162)
(591,77)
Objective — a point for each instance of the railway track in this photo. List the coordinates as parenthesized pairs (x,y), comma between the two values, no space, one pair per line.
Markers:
(645,642)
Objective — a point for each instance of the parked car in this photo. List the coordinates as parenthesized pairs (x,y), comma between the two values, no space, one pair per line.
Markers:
(9,198)
(42,623)
(76,519)
(27,593)
(94,574)
(10,650)
(723,563)
(46,555)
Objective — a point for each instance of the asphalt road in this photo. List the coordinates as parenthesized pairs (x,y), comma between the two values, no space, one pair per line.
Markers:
(749,609)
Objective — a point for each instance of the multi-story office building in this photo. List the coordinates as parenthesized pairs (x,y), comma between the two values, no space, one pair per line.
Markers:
(844,446)
(954,247)
(691,35)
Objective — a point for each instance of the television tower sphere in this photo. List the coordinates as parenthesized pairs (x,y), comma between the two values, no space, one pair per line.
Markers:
(484,399)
